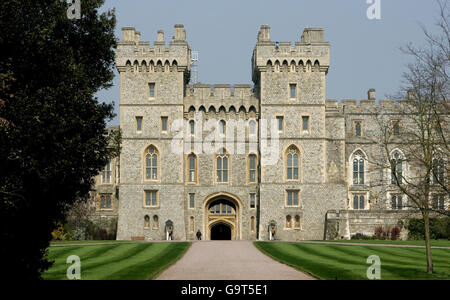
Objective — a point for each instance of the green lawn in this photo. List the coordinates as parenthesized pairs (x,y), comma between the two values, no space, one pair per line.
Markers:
(57,243)
(435,243)
(116,261)
(349,262)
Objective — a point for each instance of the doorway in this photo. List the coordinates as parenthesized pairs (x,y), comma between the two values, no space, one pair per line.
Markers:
(220,232)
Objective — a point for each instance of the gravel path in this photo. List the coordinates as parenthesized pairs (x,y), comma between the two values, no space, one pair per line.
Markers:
(229,260)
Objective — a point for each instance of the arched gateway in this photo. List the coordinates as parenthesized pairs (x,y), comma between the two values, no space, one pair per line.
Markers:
(222,217)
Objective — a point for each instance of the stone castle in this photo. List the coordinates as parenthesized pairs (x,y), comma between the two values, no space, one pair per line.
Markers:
(319,184)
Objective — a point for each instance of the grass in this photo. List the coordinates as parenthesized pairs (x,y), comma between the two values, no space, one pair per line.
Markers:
(57,243)
(349,262)
(434,243)
(123,261)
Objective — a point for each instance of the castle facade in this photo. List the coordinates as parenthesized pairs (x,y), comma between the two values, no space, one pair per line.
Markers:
(275,160)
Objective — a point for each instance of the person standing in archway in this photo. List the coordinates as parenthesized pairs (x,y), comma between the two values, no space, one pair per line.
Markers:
(199,235)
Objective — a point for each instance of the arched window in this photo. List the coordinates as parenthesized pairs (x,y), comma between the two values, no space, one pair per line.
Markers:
(155,222)
(192,163)
(151,164)
(292,163)
(358,201)
(397,168)
(297,221)
(288,221)
(222,127)
(252,224)
(252,168)
(358,128)
(397,202)
(146,221)
(358,168)
(192,127)
(438,173)
(252,127)
(222,167)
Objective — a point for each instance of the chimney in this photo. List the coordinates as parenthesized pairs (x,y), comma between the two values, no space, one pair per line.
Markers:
(411,94)
(160,36)
(371,94)
(264,33)
(180,33)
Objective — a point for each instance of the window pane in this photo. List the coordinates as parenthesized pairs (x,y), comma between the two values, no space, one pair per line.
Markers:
(358,129)
(292,90)
(154,173)
(191,162)
(152,90)
(289,198)
(399,202)
(229,209)
(295,160)
(252,162)
(219,163)
(280,123)
(225,163)
(296,198)
(225,176)
(355,202)
(252,176)
(295,173)
(153,198)
(108,201)
(224,208)
(191,200)
(139,123)
(361,202)
(164,123)
(361,171)
(289,160)
(192,125)
(219,176)
(147,199)
(252,200)
(305,123)
(252,127)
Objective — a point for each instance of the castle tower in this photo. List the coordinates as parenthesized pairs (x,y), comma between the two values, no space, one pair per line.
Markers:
(295,187)
(152,84)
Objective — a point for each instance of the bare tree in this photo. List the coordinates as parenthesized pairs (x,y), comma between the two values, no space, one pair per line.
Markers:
(420,171)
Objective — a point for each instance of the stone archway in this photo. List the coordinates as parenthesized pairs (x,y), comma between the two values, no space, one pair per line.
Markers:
(222,217)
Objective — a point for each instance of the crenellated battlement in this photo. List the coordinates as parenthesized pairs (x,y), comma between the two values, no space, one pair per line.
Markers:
(220,97)
(310,54)
(134,55)
(353,105)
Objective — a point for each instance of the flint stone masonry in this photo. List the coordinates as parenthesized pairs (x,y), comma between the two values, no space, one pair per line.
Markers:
(326,148)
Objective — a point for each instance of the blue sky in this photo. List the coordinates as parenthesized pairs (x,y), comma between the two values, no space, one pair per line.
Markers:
(364,53)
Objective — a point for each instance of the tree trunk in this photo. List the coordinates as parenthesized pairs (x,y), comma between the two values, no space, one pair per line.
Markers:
(426,221)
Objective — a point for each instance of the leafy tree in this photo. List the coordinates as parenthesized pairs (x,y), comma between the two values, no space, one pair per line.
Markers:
(52,139)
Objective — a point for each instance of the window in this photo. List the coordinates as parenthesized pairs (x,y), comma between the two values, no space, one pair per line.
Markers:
(222,127)
(438,172)
(151,199)
(396,169)
(139,124)
(222,167)
(293,88)
(155,222)
(252,168)
(105,201)
(252,224)
(358,128)
(252,200)
(151,164)
(358,202)
(106,173)
(151,89)
(192,127)
(297,222)
(252,127)
(288,221)
(292,163)
(396,127)
(221,208)
(280,123)
(396,202)
(164,124)
(305,123)
(358,168)
(192,164)
(146,221)
(438,202)
(191,200)
(292,198)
